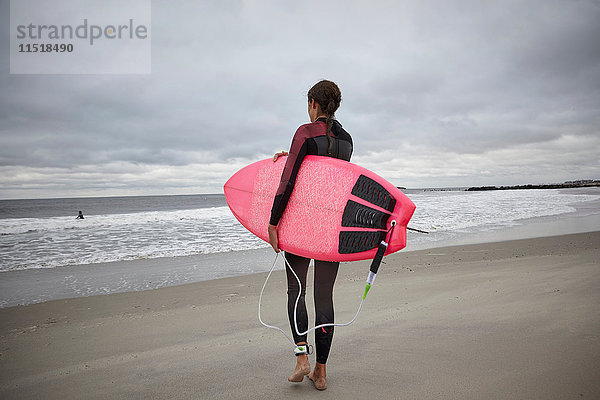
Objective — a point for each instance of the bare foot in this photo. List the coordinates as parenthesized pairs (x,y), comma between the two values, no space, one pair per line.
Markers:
(318,377)
(302,369)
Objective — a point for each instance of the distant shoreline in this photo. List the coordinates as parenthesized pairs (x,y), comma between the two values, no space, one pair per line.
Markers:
(565,185)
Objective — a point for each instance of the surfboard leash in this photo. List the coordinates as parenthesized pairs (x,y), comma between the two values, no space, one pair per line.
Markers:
(377,259)
(296,308)
(383,245)
(260,301)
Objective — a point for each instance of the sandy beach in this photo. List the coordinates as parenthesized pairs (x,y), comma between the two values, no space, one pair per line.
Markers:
(509,320)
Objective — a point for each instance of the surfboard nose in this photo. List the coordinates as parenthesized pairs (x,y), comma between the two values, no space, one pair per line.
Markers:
(238,198)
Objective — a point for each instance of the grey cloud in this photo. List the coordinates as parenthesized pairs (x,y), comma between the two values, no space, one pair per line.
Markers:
(229,80)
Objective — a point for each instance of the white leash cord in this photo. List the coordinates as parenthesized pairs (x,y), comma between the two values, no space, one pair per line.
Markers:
(260,300)
(296,306)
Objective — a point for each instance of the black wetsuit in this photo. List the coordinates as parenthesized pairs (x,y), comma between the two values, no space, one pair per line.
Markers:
(311,139)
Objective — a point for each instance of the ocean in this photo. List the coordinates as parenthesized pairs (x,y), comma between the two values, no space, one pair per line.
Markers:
(43,234)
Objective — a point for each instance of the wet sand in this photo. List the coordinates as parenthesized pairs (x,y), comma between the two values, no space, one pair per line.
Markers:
(511,320)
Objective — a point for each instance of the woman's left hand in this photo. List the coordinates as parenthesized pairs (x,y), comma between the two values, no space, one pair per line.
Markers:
(280,154)
(273,239)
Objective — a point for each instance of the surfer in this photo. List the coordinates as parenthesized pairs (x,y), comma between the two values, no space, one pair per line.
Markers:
(79,216)
(324,136)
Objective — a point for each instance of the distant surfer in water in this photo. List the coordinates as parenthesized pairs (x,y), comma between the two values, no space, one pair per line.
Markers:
(80,216)
(324,136)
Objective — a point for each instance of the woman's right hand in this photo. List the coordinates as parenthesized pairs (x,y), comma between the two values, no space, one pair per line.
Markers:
(273,238)
(280,154)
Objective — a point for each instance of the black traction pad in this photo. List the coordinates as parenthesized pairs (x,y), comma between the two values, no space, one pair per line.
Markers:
(359,215)
(371,191)
(359,241)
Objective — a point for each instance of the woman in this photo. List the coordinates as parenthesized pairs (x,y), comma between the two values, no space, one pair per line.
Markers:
(324,136)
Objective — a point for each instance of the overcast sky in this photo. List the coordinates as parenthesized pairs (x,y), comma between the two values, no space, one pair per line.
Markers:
(435,94)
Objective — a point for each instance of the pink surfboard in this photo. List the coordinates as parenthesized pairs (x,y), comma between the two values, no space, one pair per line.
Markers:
(338,211)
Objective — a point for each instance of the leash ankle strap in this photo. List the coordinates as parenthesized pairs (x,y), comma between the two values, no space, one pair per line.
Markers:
(301,349)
